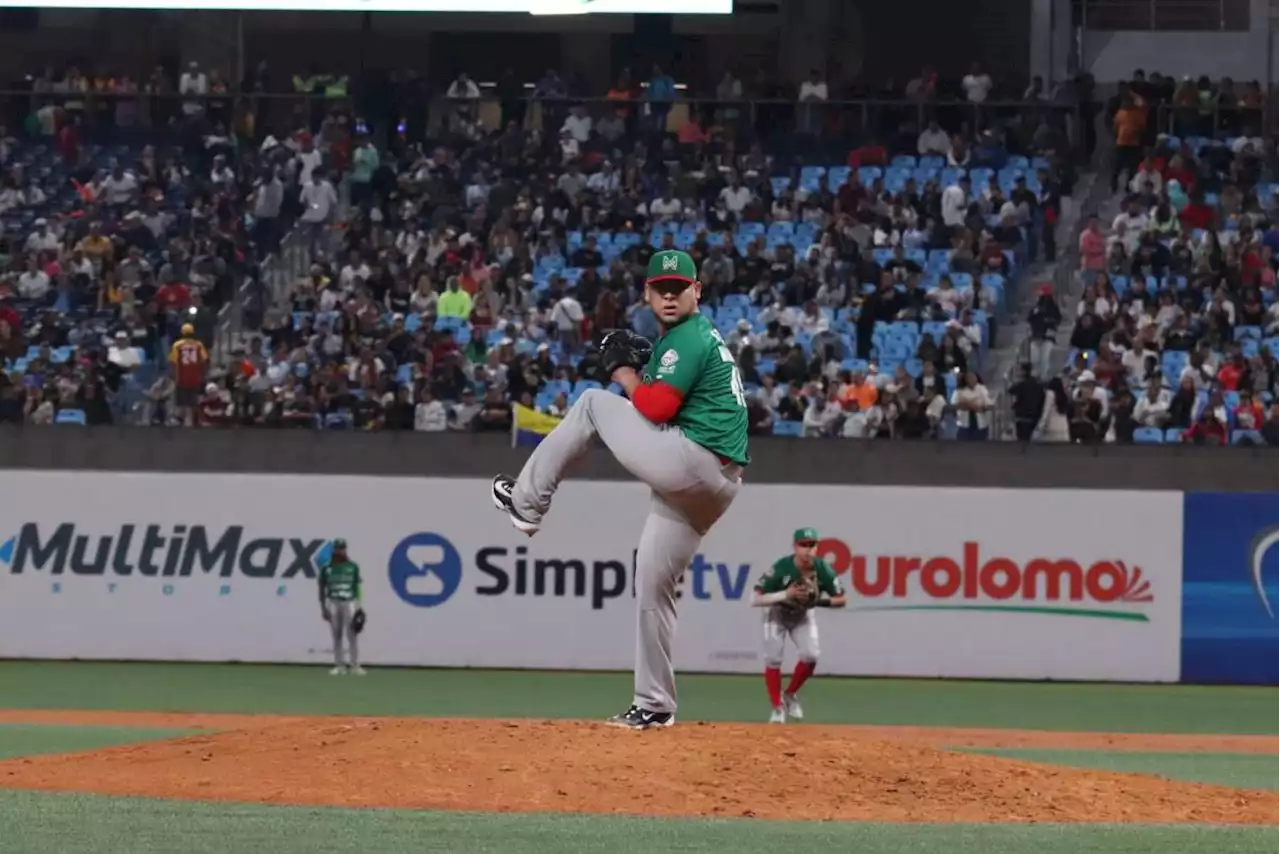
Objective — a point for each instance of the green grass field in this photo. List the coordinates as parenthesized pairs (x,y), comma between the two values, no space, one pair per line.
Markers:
(36,823)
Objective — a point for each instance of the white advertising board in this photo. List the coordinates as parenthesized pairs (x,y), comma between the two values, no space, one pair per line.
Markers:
(1019,584)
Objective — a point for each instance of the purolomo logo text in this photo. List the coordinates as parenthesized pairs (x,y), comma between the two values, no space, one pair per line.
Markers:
(971,581)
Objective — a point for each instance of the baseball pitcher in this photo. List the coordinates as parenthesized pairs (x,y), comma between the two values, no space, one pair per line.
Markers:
(790,590)
(683,432)
(340,605)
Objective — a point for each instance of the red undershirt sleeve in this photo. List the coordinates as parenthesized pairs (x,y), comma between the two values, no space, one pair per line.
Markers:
(657,401)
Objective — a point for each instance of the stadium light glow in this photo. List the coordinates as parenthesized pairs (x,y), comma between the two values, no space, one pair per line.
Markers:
(536,7)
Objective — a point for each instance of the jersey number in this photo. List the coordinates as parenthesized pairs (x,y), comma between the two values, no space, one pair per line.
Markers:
(735,378)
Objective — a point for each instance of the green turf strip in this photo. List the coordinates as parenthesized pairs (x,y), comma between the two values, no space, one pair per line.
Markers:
(480,693)
(1243,771)
(82,824)
(31,739)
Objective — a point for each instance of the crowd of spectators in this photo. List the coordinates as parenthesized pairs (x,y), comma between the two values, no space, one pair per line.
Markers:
(112,239)
(1174,338)
(859,296)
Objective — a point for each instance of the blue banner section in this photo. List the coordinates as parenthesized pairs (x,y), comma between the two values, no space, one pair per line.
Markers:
(1230,591)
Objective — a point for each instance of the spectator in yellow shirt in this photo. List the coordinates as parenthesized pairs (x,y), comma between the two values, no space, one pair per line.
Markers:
(96,245)
(454,302)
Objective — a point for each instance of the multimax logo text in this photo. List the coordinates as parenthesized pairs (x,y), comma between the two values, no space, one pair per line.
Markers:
(172,551)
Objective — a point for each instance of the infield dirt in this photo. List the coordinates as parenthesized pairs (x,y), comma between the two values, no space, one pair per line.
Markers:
(694,769)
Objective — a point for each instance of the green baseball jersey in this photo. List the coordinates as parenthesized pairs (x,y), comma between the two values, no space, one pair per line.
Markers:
(340,581)
(693,358)
(784,573)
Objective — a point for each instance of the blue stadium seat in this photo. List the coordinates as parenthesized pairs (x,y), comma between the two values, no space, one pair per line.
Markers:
(1245,332)
(340,420)
(793,429)
(70,416)
(1148,436)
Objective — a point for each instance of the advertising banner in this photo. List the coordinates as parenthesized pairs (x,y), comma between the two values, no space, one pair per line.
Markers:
(1229,594)
(1021,584)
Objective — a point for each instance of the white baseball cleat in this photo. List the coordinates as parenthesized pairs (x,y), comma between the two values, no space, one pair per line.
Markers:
(778,715)
(356,670)
(791,703)
(502,486)
(338,671)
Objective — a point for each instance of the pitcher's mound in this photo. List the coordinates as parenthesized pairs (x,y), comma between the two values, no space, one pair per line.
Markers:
(808,772)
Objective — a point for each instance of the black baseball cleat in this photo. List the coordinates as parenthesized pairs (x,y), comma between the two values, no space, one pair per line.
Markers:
(638,718)
(502,486)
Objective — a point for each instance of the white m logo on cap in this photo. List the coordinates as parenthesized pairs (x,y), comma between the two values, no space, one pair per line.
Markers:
(671,262)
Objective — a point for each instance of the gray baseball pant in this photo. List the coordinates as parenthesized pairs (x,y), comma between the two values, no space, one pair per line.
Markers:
(691,490)
(341,612)
(804,634)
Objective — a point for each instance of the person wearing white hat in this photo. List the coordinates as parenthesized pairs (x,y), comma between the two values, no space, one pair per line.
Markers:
(42,239)
(1087,389)
(123,354)
(741,335)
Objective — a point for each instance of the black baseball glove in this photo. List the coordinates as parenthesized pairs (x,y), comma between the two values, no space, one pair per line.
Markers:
(623,348)
(357,621)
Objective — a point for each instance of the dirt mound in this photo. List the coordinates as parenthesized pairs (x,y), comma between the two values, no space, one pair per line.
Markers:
(1113,742)
(563,766)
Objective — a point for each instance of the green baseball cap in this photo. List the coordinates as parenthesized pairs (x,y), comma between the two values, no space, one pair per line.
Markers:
(340,543)
(672,265)
(805,535)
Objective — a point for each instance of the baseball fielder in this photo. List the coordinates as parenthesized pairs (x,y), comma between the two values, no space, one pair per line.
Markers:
(683,432)
(792,587)
(340,605)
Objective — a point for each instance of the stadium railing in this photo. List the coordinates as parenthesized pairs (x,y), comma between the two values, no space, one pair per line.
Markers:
(772,120)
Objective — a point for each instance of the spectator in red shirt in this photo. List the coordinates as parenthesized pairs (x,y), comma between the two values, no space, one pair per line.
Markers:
(190,361)
(1197,215)
(1107,367)
(12,344)
(1093,246)
(1251,262)
(8,314)
(870,154)
(444,347)
(1249,414)
(1207,431)
(69,140)
(1177,170)
(173,296)
(1230,372)
(214,407)
(850,193)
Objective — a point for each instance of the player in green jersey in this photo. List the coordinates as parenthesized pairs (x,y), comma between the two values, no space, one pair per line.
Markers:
(340,605)
(683,432)
(792,587)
